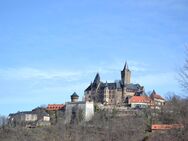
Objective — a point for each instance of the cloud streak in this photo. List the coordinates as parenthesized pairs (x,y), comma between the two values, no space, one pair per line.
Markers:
(28,73)
(33,73)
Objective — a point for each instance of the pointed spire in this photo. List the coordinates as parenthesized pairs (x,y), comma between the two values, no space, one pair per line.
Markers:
(74,95)
(126,66)
(97,79)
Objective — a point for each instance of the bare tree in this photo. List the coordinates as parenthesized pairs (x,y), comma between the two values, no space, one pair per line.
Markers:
(3,121)
(183,73)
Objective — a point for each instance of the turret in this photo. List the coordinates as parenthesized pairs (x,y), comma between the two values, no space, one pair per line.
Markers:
(74,97)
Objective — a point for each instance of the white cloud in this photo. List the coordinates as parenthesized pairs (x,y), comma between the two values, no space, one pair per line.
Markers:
(33,73)
(28,78)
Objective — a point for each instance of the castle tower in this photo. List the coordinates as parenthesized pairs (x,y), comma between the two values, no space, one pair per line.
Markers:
(74,97)
(126,75)
(106,94)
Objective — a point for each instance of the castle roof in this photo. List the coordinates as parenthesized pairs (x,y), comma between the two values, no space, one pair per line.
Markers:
(115,85)
(140,99)
(97,79)
(125,66)
(74,95)
(88,88)
(133,86)
(55,107)
(154,95)
(99,85)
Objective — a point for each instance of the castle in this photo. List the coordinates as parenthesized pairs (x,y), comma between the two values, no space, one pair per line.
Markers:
(117,93)
(122,94)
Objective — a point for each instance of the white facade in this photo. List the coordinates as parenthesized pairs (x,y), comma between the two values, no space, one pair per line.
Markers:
(158,103)
(89,110)
(46,118)
(139,105)
(86,109)
(29,117)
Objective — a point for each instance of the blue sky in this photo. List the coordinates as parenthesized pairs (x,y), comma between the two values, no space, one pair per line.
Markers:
(49,49)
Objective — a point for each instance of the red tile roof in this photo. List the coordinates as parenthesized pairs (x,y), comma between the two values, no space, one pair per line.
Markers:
(55,107)
(158,97)
(140,99)
(166,126)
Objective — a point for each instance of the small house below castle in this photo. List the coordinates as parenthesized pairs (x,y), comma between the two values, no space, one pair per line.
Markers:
(158,101)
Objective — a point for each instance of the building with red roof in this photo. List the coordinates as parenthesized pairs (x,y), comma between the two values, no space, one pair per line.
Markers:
(157,100)
(163,127)
(140,101)
(55,107)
